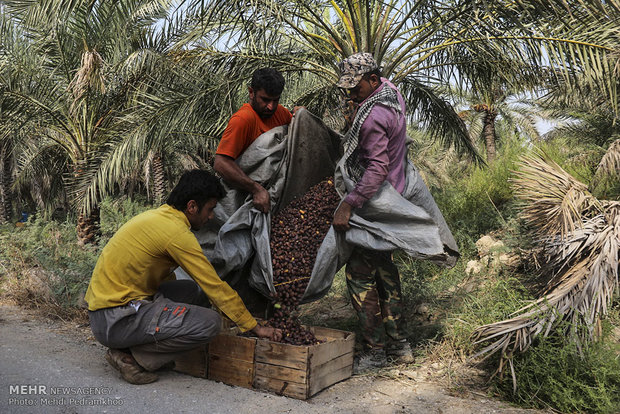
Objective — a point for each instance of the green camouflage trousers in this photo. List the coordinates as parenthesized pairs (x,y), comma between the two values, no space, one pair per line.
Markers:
(374,285)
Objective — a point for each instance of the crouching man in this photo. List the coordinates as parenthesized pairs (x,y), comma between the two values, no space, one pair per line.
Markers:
(138,309)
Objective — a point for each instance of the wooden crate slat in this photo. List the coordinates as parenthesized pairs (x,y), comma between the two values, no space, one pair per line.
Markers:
(332,365)
(236,347)
(290,389)
(326,380)
(281,354)
(280,372)
(322,353)
(193,362)
(231,371)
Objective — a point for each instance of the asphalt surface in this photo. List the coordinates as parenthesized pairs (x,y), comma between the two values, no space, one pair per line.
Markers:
(55,367)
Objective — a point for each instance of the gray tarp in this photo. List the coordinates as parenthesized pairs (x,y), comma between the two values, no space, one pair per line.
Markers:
(388,221)
(288,161)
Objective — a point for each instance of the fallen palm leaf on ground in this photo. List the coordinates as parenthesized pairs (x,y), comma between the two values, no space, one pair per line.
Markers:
(580,237)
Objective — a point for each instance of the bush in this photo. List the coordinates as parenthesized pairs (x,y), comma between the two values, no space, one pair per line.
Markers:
(46,253)
(50,247)
(555,373)
(480,201)
(494,300)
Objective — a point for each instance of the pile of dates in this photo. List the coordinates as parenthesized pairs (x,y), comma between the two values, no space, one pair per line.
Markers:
(297,232)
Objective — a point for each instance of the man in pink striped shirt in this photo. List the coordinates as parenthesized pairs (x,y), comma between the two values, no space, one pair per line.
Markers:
(375,152)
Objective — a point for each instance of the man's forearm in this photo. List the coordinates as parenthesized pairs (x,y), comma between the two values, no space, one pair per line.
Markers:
(233,175)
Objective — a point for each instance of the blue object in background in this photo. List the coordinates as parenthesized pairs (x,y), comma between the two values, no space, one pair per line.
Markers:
(24,217)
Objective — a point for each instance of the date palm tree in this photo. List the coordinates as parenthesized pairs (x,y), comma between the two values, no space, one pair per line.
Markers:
(88,56)
(485,109)
(420,45)
(170,127)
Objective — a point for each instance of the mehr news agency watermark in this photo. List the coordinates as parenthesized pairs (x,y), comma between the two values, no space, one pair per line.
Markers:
(44,396)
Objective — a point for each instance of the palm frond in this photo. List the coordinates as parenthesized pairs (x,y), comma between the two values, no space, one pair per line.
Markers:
(438,116)
(582,251)
(554,202)
(610,163)
(580,292)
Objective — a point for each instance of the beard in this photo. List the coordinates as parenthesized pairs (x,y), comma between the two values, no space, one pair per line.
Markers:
(262,112)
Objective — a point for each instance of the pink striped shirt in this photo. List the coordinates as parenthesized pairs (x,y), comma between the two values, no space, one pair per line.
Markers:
(381,149)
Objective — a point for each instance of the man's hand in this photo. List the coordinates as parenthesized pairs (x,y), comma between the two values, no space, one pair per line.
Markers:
(235,177)
(268,332)
(342,216)
(260,199)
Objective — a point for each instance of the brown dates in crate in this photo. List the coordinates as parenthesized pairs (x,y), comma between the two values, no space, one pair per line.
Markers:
(297,232)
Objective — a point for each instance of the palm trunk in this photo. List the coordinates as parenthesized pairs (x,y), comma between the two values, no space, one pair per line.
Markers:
(6,181)
(159,183)
(489,134)
(88,227)
(37,193)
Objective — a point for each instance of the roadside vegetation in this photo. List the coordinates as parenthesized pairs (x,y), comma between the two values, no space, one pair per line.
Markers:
(42,267)
(104,104)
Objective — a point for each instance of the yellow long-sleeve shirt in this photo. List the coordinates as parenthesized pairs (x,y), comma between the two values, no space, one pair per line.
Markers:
(144,252)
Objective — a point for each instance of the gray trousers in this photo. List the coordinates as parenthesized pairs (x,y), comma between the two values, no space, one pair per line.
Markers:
(175,320)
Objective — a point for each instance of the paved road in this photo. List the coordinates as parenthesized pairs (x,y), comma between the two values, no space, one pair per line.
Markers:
(52,367)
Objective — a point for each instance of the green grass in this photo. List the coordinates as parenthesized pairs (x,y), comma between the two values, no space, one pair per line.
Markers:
(555,373)
(50,246)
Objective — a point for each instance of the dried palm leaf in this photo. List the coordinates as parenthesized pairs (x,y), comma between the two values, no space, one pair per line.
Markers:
(582,256)
(610,163)
(89,76)
(552,200)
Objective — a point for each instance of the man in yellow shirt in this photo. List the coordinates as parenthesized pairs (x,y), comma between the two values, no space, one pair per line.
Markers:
(138,310)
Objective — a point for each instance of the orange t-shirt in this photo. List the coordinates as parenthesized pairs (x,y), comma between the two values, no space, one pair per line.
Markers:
(245,126)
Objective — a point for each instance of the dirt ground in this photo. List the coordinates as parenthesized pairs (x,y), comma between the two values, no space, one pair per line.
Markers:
(57,367)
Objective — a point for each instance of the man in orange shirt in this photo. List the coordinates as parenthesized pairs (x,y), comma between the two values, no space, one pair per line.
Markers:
(261,114)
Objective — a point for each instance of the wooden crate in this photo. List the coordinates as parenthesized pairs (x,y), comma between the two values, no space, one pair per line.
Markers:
(231,358)
(193,362)
(296,371)
(302,371)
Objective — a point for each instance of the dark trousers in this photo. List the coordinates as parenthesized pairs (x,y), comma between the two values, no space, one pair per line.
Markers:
(175,320)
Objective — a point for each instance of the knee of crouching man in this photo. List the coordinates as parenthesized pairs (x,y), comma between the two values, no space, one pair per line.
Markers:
(212,325)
